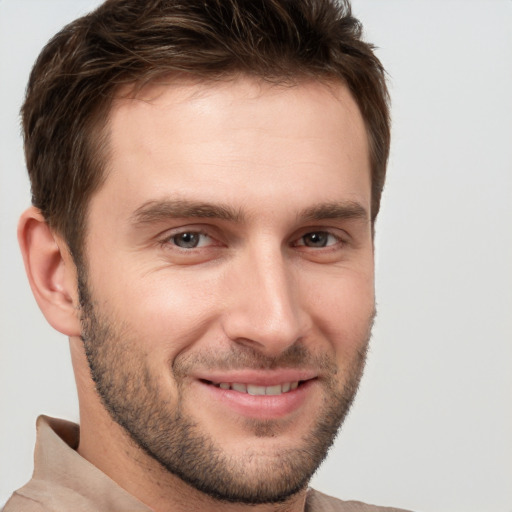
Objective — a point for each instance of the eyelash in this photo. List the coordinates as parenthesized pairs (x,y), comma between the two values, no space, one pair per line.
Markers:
(328,234)
(167,240)
(337,240)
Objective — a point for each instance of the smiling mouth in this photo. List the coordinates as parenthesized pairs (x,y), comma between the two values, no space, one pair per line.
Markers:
(252,389)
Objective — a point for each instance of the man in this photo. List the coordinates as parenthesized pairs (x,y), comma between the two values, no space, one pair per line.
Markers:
(205,177)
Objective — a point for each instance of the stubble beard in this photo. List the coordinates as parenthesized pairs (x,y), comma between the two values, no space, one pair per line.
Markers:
(132,397)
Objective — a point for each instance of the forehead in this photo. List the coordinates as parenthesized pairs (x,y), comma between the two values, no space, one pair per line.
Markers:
(242,138)
(242,102)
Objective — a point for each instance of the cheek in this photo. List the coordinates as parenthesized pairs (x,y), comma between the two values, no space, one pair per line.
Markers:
(343,311)
(165,310)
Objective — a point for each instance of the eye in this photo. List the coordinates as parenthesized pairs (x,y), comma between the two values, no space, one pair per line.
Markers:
(190,239)
(318,239)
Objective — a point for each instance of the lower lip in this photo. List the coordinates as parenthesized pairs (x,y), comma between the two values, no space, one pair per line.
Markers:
(261,406)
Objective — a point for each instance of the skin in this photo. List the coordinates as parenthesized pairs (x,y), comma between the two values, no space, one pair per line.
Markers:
(285,162)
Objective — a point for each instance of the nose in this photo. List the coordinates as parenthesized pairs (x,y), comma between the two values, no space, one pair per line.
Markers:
(265,310)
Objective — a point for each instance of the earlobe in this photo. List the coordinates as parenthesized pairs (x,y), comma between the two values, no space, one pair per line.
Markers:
(51,272)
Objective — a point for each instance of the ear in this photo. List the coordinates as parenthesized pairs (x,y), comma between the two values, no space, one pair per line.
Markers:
(51,272)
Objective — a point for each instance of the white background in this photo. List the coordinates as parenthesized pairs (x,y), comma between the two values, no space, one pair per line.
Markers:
(432,426)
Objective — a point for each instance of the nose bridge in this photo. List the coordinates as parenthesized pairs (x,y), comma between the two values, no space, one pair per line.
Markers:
(265,309)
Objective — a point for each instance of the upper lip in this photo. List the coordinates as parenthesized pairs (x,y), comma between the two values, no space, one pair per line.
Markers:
(257,377)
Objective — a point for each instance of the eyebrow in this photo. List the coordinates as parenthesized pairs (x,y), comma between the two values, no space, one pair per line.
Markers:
(160,210)
(155,211)
(338,210)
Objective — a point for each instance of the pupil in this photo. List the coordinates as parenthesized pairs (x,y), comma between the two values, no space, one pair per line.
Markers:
(187,240)
(316,239)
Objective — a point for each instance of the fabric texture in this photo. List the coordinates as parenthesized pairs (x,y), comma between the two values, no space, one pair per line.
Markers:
(64,481)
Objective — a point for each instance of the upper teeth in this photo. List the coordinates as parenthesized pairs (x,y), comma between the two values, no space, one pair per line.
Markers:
(251,389)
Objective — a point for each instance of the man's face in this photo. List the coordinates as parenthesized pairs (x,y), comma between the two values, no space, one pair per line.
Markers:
(228,297)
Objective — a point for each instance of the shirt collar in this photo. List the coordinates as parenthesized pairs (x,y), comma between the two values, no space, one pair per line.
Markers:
(61,473)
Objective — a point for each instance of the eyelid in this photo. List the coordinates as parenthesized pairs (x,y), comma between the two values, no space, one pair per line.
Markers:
(340,235)
(166,237)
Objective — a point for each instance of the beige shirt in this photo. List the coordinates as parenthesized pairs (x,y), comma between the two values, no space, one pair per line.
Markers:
(63,481)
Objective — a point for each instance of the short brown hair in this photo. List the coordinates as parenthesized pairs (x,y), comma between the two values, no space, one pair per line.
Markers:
(76,76)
